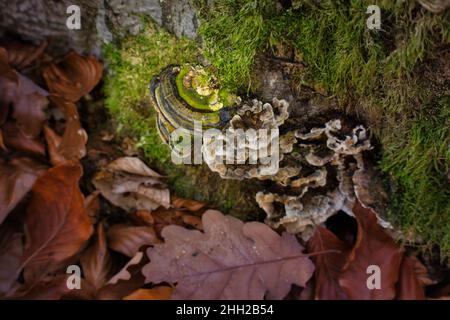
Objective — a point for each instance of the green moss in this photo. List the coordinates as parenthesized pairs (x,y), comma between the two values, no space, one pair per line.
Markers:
(131,65)
(419,162)
(341,53)
(233,33)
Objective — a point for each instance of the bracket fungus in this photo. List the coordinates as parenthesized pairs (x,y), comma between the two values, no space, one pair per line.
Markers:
(311,174)
(249,146)
(340,175)
(184,94)
(319,172)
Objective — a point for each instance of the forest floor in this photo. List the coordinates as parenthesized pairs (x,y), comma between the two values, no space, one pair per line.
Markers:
(88,184)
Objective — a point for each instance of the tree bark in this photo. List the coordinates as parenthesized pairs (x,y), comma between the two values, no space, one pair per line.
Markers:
(101,21)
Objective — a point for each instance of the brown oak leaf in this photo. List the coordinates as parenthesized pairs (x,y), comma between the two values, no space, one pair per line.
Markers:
(230,260)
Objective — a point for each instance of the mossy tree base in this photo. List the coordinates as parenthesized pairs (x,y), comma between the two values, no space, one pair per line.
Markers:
(396,81)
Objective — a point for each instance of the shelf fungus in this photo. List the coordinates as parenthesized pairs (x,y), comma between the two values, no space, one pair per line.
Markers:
(185,94)
(249,147)
(339,175)
(311,173)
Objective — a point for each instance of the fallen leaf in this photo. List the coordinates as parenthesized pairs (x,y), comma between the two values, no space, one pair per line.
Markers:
(96,260)
(53,142)
(236,260)
(29,107)
(191,205)
(11,249)
(52,289)
(22,55)
(56,223)
(421,272)
(73,142)
(328,265)
(128,239)
(16,179)
(92,205)
(409,286)
(74,76)
(158,293)
(15,139)
(193,221)
(2,143)
(129,184)
(9,85)
(126,281)
(373,247)
(126,274)
(163,217)
(142,217)
(132,165)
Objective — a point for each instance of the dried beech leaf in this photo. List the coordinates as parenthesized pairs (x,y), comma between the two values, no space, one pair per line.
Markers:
(29,106)
(193,221)
(191,205)
(52,289)
(74,76)
(409,286)
(163,217)
(158,293)
(328,265)
(96,260)
(22,55)
(128,239)
(74,139)
(373,247)
(231,260)
(125,274)
(11,249)
(56,223)
(132,165)
(53,142)
(15,139)
(421,272)
(9,85)
(121,184)
(16,179)
(126,281)
(92,205)
(142,217)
